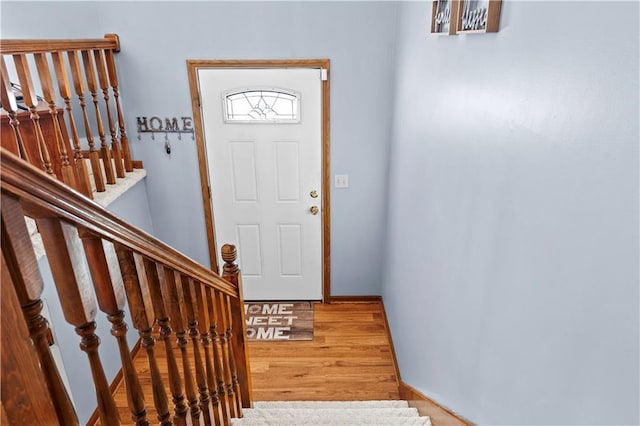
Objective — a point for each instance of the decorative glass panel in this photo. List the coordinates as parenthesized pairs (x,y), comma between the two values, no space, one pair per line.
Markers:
(262,106)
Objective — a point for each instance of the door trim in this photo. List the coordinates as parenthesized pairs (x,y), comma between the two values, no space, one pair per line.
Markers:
(193,65)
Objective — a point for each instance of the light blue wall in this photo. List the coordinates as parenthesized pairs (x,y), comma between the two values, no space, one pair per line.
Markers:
(512,281)
(26,19)
(158,37)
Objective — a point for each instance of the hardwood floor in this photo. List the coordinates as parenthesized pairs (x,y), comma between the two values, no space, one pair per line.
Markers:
(349,358)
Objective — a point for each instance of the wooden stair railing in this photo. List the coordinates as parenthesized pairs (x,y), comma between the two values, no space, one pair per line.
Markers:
(99,261)
(45,133)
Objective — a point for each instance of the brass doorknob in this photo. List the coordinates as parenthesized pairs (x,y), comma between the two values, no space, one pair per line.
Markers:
(314,194)
(314,210)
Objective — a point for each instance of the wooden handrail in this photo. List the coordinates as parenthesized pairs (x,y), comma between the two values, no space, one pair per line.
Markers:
(38,194)
(26,46)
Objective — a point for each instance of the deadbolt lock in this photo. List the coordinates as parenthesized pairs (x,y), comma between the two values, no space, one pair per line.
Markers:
(314,210)
(314,194)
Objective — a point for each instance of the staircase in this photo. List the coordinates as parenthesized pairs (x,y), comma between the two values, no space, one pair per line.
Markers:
(95,259)
(368,413)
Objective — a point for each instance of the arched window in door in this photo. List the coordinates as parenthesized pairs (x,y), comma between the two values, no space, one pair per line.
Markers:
(261,106)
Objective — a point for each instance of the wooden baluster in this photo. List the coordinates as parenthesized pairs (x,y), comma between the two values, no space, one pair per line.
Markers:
(94,156)
(82,171)
(232,359)
(67,171)
(188,318)
(216,330)
(111,295)
(226,341)
(104,85)
(68,268)
(9,103)
(231,273)
(23,265)
(188,291)
(203,326)
(113,80)
(175,382)
(139,301)
(148,342)
(31,100)
(24,387)
(105,153)
(174,299)
(135,283)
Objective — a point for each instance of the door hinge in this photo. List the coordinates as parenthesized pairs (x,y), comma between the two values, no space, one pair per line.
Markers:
(199,102)
(323,74)
(209,190)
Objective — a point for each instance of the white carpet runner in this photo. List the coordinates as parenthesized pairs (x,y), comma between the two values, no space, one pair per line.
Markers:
(291,413)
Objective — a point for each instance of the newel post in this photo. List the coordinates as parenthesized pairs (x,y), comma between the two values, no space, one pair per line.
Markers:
(231,273)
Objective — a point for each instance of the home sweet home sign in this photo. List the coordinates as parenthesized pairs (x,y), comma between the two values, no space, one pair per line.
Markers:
(279,321)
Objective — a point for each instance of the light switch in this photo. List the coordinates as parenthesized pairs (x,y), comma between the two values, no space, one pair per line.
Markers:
(341,181)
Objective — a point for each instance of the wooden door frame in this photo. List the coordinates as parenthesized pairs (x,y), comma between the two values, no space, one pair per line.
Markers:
(193,65)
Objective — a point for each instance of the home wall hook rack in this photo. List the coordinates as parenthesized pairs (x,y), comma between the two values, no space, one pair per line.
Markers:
(166,126)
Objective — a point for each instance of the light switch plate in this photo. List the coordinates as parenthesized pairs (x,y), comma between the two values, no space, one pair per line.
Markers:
(341,181)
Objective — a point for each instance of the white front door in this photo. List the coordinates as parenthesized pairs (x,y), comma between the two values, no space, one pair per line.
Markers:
(263,136)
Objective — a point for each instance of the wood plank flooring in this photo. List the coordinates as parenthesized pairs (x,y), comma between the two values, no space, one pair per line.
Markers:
(349,358)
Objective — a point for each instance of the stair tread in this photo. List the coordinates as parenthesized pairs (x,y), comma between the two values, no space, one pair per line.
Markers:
(336,413)
(331,404)
(284,413)
(342,421)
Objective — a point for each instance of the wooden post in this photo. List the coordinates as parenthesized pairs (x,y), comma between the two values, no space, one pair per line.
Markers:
(231,273)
